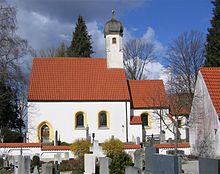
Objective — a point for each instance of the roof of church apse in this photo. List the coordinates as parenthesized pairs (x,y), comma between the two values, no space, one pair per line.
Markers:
(148,94)
(76,79)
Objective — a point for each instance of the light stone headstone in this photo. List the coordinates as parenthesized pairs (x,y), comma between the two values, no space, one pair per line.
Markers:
(138,140)
(104,165)
(132,170)
(47,168)
(19,164)
(66,156)
(138,158)
(36,170)
(89,163)
(27,164)
(96,149)
(58,158)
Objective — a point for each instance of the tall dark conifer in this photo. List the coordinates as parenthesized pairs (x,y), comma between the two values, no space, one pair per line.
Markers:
(81,45)
(213,38)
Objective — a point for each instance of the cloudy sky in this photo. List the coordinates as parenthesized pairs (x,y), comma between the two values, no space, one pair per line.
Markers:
(46,23)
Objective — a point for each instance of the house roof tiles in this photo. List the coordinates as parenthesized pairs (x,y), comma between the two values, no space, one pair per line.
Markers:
(76,79)
(212,80)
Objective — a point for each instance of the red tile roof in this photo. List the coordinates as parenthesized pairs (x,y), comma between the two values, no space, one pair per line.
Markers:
(164,146)
(73,79)
(132,146)
(148,94)
(212,80)
(19,145)
(135,120)
(56,148)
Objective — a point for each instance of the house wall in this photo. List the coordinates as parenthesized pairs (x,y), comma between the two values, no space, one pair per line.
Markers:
(61,117)
(204,125)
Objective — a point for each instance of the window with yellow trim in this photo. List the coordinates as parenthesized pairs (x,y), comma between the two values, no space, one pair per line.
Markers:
(79,118)
(144,119)
(103,119)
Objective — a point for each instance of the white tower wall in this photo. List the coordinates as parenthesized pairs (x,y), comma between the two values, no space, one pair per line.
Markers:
(114,52)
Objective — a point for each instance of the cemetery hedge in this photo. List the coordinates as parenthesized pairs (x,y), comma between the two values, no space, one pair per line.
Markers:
(112,147)
(80,147)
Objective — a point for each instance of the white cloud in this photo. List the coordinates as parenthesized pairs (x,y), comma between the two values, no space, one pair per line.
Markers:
(155,70)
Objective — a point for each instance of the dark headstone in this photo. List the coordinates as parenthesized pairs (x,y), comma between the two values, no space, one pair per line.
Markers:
(208,165)
(149,155)
(168,164)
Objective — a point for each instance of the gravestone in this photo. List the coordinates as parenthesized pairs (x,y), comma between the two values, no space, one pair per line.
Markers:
(58,158)
(89,163)
(66,156)
(18,164)
(47,168)
(138,140)
(104,165)
(138,158)
(168,164)
(27,164)
(149,155)
(208,165)
(36,170)
(132,170)
(96,149)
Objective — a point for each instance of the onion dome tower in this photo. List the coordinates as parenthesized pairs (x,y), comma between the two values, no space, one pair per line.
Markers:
(113,34)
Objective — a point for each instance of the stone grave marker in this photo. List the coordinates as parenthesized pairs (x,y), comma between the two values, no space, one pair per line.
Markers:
(89,163)
(35,170)
(149,155)
(27,164)
(169,164)
(66,156)
(47,168)
(132,170)
(138,158)
(104,165)
(96,149)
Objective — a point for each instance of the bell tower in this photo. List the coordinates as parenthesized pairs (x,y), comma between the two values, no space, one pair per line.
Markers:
(113,34)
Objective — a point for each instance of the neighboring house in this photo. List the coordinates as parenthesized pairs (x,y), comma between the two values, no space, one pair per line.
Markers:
(81,96)
(205,112)
(180,106)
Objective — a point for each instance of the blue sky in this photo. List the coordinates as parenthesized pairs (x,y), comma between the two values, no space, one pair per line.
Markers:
(46,23)
(169,18)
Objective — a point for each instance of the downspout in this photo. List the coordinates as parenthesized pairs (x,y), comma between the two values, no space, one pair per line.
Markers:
(126,109)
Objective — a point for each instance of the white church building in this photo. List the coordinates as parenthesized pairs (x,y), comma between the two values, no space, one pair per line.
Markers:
(78,97)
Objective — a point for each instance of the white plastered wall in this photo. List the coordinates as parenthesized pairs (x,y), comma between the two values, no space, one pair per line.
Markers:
(61,116)
(203,120)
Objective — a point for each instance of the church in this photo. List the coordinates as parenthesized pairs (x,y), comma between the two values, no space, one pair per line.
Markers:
(81,97)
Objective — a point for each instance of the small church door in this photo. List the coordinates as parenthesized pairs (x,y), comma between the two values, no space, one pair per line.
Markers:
(45,134)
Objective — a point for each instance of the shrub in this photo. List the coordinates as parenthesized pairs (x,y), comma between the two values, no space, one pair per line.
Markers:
(72,165)
(112,147)
(11,136)
(35,162)
(119,162)
(80,147)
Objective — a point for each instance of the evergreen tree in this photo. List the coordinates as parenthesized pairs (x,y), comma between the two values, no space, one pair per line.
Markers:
(81,45)
(213,38)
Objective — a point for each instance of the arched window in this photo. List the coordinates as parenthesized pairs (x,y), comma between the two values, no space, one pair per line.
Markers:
(103,119)
(114,40)
(144,119)
(79,119)
(45,134)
